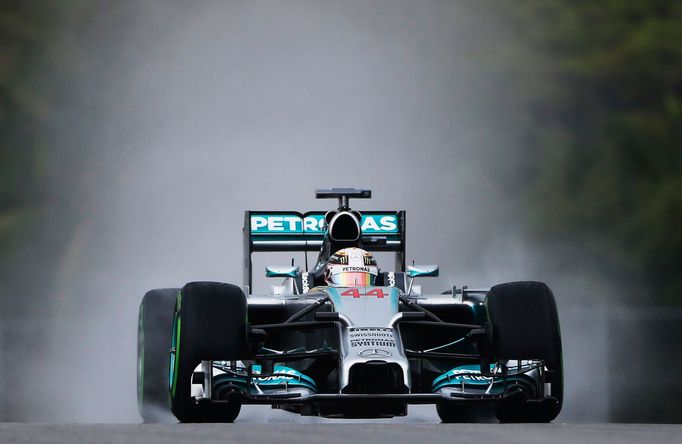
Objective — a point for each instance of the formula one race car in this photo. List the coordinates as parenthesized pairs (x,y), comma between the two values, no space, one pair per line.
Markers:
(347,339)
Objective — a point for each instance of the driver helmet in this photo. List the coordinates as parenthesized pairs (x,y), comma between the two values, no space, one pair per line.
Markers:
(351,267)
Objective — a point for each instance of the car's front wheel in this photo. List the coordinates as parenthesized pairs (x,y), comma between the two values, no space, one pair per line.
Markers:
(525,326)
(209,324)
(458,413)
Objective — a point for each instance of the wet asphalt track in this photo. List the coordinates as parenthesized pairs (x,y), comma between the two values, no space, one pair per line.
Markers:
(259,424)
(329,433)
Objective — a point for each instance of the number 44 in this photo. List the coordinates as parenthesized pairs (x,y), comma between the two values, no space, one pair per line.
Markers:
(354,292)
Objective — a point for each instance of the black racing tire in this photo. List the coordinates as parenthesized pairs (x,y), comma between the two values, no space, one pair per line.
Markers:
(450,413)
(153,345)
(525,325)
(209,323)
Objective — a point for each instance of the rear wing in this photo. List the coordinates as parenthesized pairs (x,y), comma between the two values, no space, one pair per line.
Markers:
(293,231)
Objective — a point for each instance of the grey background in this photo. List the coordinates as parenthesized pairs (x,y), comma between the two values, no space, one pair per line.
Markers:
(187,115)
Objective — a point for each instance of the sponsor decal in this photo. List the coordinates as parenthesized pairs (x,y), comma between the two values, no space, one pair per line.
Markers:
(371,337)
(287,224)
(366,342)
(286,375)
(372,334)
(336,269)
(281,375)
(391,279)
(304,280)
(465,374)
(315,224)
(468,375)
(360,269)
(355,330)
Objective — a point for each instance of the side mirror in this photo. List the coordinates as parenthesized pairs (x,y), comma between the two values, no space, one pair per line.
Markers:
(285,272)
(414,271)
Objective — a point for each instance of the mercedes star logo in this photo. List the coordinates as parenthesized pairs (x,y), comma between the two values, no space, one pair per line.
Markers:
(375,353)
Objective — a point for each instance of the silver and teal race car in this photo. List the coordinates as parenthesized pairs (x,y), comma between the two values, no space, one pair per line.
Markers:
(345,338)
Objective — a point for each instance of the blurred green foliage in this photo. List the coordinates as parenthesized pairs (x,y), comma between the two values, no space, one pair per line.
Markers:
(601,87)
(23,48)
(32,77)
(598,84)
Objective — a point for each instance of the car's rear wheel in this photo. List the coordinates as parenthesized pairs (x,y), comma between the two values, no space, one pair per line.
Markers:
(209,324)
(525,326)
(153,345)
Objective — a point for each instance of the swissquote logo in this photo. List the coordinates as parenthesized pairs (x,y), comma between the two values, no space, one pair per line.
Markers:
(314,224)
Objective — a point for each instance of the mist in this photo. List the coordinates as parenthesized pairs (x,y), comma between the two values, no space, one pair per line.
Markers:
(210,109)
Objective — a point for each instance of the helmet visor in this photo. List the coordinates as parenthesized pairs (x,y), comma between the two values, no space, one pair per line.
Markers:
(353,279)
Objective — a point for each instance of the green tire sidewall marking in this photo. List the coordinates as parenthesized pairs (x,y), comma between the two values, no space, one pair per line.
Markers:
(140,358)
(561,355)
(175,346)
